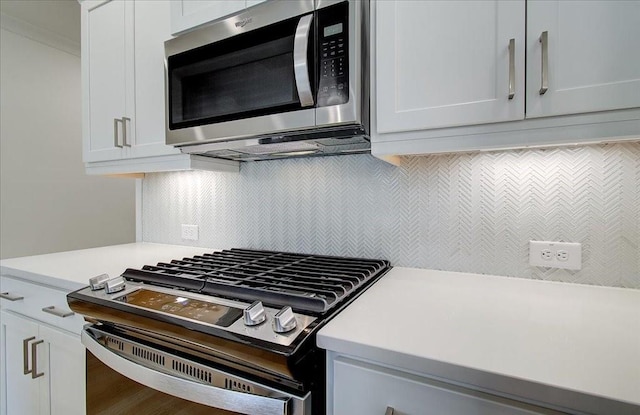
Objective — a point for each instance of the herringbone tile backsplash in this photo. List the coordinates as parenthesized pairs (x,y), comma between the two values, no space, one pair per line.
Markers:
(459,212)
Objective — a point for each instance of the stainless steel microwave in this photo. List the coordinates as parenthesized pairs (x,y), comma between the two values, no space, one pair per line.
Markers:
(280,79)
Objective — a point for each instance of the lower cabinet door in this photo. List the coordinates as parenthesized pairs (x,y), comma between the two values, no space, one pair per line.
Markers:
(363,389)
(55,364)
(21,393)
(66,372)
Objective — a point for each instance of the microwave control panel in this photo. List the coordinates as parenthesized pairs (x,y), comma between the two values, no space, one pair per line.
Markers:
(333,50)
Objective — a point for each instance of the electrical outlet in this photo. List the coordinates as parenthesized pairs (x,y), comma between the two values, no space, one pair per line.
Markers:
(566,255)
(190,232)
(546,254)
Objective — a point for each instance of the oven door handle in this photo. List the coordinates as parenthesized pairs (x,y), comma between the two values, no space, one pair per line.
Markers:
(208,395)
(300,63)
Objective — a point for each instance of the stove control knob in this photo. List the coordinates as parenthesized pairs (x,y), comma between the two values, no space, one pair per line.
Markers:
(97,283)
(114,285)
(284,321)
(254,314)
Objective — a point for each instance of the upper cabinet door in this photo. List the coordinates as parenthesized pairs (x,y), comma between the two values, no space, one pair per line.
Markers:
(186,14)
(451,63)
(105,78)
(152,28)
(590,59)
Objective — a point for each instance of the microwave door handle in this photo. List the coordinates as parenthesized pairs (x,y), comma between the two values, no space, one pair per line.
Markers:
(300,64)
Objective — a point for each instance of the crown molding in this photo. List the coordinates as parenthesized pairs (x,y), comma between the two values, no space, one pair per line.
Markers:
(38,34)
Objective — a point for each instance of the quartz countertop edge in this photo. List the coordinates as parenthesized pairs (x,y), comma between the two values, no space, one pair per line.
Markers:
(71,270)
(499,333)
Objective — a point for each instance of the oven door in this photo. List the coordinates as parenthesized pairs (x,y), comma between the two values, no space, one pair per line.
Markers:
(250,74)
(127,377)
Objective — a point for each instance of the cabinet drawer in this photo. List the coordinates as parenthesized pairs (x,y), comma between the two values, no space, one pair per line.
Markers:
(36,297)
(364,389)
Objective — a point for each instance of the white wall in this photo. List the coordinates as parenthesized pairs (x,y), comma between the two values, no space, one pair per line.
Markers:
(47,203)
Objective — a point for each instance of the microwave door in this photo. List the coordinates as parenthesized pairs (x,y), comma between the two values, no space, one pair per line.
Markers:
(255,83)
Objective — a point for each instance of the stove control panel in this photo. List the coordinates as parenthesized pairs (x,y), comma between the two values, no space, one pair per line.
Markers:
(272,325)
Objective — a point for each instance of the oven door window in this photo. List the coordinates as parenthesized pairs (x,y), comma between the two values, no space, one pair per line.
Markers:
(244,76)
(110,393)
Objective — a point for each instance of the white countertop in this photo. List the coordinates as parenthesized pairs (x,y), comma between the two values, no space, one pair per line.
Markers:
(579,338)
(462,327)
(71,270)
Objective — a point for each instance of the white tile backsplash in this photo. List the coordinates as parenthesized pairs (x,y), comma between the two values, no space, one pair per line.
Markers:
(457,212)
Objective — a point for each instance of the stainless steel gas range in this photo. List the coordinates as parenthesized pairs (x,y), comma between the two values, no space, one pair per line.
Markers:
(222,333)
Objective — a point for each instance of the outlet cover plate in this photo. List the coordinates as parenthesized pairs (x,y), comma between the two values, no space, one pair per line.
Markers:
(190,232)
(565,255)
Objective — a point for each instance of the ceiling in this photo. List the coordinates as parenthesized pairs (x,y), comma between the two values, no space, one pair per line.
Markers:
(61,17)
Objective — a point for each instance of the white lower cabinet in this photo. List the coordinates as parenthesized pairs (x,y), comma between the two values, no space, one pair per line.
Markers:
(44,371)
(42,361)
(21,392)
(361,388)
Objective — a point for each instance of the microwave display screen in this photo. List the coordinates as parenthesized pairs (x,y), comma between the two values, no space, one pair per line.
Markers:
(333,30)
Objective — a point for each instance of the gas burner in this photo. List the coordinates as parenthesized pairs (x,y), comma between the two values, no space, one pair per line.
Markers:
(307,283)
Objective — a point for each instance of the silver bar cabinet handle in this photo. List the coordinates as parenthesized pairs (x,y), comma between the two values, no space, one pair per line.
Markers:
(544,40)
(25,355)
(300,68)
(11,297)
(56,312)
(512,68)
(116,142)
(34,360)
(389,411)
(124,131)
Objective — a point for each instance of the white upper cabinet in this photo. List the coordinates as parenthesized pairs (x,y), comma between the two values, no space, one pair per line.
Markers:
(105,76)
(450,75)
(123,90)
(124,79)
(151,29)
(592,57)
(443,64)
(186,14)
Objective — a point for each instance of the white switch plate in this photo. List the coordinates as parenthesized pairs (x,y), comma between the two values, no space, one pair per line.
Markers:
(566,255)
(190,232)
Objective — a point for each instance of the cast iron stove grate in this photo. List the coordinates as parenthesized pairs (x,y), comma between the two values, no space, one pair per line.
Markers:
(310,283)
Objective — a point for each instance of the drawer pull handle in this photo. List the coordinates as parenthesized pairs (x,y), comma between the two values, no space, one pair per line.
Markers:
(25,355)
(56,312)
(34,359)
(389,411)
(11,297)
